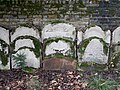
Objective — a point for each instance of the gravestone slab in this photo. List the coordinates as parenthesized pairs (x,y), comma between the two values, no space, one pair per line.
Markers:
(94,31)
(31,59)
(94,52)
(58,30)
(23,31)
(59,47)
(24,42)
(4,35)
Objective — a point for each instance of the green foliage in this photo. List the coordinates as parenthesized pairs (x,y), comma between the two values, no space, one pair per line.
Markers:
(118,44)
(26,25)
(3,42)
(57,21)
(28,69)
(92,66)
(98,83)
(3,58)
(83,45)
(115,60)
(56,5)
(85,42)
(59,55)
(20,60)
(3,54)
(20,63)
(50,40)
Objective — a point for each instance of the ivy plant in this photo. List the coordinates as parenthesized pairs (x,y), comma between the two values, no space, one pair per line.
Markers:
(115,60)
(20,62)
(67,40)
(99,83)
(3,54)
(3,58)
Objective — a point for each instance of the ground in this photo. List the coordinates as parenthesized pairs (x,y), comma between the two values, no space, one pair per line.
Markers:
(51,80)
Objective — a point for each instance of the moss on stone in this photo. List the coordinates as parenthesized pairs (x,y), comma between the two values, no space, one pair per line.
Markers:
(3,58)
(67,40)
(36,43)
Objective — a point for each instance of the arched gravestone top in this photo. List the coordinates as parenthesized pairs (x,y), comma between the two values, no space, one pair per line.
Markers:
(24,42)
(23,31)
(31,59)
(94,52)
(94,31)
(4,35)
(57,47)
(58,30)
(116,35)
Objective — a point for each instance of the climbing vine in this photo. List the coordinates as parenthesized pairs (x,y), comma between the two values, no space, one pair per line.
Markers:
(115,59)
(69,40)
(59,55)
(3,54)
(4,43)
(3,58)
(50,40)
(57,21)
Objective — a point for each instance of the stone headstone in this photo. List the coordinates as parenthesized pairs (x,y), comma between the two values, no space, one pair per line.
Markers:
(79,36)
(20,43)
(94,52)
(23,31)
(4,35)
(57,47)
(107,36)
(94,31)
(54,31)
(116,35)
(58,30)
(31,59)
(59,64)
(24,42)
(116,38)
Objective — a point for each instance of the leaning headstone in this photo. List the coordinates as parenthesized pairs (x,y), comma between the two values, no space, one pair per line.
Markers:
(116,38)
(58,30)
(94,52)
